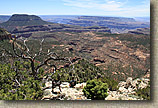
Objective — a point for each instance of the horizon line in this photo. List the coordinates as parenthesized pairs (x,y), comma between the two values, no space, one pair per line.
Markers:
(70,15)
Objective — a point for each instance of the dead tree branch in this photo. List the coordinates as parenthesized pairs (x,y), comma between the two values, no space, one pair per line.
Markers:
(24,53)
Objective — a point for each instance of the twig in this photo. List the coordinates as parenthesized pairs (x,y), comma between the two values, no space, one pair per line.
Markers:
(40,50)
(17,82)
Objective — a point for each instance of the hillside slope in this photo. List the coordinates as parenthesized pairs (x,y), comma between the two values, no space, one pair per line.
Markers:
(22,20)
(145,31)
(116,24)
(4,18)
(4,34)
(118,55)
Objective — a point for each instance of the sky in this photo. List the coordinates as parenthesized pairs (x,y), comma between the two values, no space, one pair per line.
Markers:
(122,8)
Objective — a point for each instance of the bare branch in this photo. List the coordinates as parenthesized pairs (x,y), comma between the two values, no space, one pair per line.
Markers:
(72,66)
(17,82)
(20,86)
(27,49)
(15,52)
(49,59)
(23,52)
(40,50)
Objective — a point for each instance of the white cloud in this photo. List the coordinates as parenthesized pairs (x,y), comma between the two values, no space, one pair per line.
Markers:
(122,8)
(97,4)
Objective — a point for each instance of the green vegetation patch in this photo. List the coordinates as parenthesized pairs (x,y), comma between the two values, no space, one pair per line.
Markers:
(96,90)
(18,84)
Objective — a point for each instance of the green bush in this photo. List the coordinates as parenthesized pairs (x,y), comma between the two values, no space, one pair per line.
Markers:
(95,90)
(16,83)
(144,93)
(112,84)
(82,71)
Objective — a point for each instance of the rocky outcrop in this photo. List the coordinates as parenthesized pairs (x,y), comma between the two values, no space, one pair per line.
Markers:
(22,20)
(144,31)
(60,28)
(98,60)
(116,24)
(34,23)
(140,55)
(66,92)
(31,29)
(127,89)
(147,74)
(4,34)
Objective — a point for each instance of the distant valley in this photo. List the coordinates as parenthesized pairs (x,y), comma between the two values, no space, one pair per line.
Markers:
(4,18)
(119,55)
(75,50)
(116,24)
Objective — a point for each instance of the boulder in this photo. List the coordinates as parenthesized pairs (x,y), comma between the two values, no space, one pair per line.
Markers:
(122,89)
(142,85)
(46,97)
(146,81)
(134,83)
(64,85)
(56,90)
(48,84)
(80,86)
(109,97)
(130,90)
(129,80)
(121,84)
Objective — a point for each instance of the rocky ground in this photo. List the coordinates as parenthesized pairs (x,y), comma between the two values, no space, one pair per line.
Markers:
(66,92)
(126,90)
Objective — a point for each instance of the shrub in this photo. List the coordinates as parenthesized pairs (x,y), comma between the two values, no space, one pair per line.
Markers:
(144,93)
(17,84)
(112,84)
(95,90)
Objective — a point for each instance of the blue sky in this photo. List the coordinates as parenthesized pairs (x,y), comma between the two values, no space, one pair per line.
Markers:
(124,8)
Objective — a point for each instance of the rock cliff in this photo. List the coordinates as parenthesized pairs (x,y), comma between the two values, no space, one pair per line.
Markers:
(126,90)
(143,31)
(4,34)
(22,20)
(60,28)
